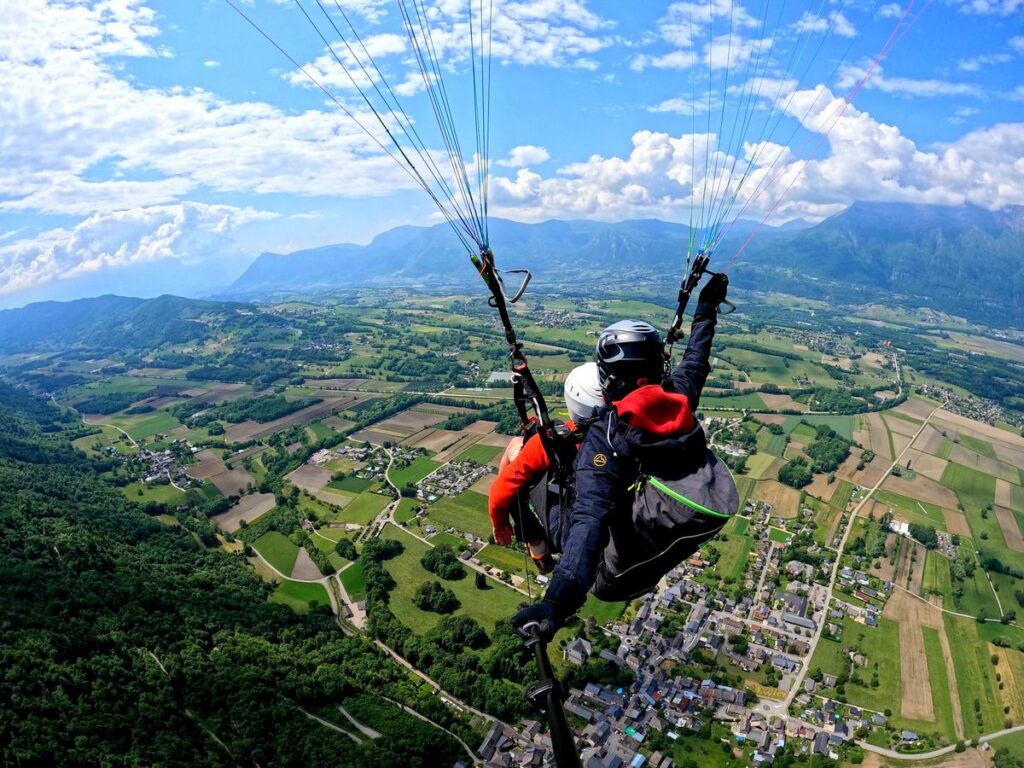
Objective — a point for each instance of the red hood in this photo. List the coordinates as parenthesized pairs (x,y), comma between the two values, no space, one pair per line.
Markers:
(660,413)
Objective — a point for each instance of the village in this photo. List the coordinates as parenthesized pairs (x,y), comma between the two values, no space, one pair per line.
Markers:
(720,643)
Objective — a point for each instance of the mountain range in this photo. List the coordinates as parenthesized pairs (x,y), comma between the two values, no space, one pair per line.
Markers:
(966,260)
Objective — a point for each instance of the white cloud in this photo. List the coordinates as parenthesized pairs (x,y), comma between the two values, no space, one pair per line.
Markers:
(189,231)
(976,63)
(525,156)
(835,22)
(1017,43)
(865,160)
(850,75)
(889,11)
(990,7)
(211,63)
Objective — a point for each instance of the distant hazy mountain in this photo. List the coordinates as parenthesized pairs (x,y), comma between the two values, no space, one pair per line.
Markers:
(966,260)
(556,252)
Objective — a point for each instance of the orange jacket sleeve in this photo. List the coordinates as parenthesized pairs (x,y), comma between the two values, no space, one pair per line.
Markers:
(518,474)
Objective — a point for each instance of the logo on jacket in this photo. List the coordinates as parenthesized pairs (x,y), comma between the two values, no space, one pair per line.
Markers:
(600,460)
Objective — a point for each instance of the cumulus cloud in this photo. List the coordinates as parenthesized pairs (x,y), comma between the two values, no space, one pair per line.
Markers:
(851,74)
(864,159)
(976,63)
(1017,43)
(189,231)
(525,156)
(990,7)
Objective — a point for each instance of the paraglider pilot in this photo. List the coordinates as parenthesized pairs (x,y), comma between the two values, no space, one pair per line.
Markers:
(644,429)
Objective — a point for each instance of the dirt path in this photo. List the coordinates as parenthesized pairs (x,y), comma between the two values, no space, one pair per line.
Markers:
(414,713)
(363,729)
(332,726)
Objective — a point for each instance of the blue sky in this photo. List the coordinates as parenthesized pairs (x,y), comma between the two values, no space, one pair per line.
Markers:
(157,146)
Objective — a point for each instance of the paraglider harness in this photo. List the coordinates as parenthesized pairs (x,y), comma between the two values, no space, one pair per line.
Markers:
(558,440)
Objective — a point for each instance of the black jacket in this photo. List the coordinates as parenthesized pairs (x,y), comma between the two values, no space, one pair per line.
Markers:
(652,430)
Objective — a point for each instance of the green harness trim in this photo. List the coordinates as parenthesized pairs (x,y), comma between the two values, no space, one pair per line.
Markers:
(683,500)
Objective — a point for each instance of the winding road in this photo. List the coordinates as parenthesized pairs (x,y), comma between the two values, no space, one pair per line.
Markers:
(937,752)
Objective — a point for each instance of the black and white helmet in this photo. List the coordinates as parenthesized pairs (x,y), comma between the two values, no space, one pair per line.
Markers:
(630,354)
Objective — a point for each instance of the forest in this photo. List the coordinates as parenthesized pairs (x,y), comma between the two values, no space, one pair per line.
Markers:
(126,642)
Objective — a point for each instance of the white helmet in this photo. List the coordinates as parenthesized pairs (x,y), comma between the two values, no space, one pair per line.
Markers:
(583,392)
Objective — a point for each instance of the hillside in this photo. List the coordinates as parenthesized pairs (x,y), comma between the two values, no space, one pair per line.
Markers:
(915,255)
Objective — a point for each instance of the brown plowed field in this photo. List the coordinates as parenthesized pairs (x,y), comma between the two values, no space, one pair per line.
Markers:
(248,509)
(929,441)
(901,427)
(872,473)
(336,383)
(786,500)
(495,439)
(925,464)
(463,442)
(900,442)
(983,431)
(310,477)
(211,467)
(922,488)
(782,402)
(1011,531)
(214,395)
(915,408)
(770,418)
(483,485)
(888,570)
(436,440)
(848,468)
(372,436)
(956,522)
(304,567)
(1010,454)
(912,614)
(252,430)
(1003,498)
(821,488)
(482,427)
(879,436)
(997,469)
(408,422)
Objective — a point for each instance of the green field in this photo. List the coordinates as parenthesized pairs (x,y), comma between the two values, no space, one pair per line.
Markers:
(778,535)
(277,550)
(159,493)
(981,447)
(913,510)
(363,509)
(297,595)
(465,512)
(405,511)
(842,495)
(763,466)
(936,579)
(601,611)
(487,606)
(803,434)
(355,582)
(842,425)
(508,560)
(881,645)
(416,471)
(745,486)
(975,489)
(162,422)
(325,541)
(750,401)
(773,444)
(481,454)
(939,682)
(734,551)
(975,676)
(350,483)
(320,430)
